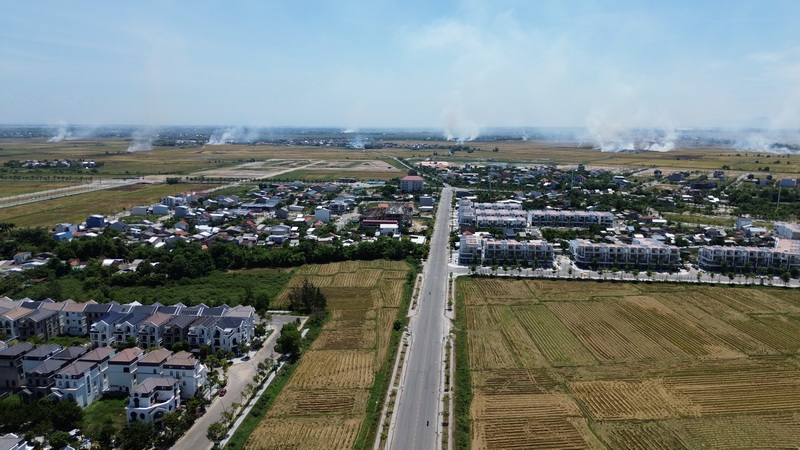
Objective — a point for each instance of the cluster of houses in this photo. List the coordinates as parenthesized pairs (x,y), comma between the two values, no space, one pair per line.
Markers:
(109,324)
(56,163)
(80,375)
(155,381)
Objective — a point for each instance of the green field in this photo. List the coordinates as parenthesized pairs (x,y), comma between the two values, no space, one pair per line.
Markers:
(571,364)
(333,175)
(11,188)
(77,208)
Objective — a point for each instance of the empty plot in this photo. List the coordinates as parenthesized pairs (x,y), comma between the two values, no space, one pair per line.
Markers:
(578,290)
(303,432)
(642,366)
(314,402)
(553,339)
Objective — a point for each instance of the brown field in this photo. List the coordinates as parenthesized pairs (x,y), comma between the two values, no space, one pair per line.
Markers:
(631,366)
(322,433)
(324,403)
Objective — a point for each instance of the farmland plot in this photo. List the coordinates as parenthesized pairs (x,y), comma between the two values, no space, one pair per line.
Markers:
(630,366)
(324,403)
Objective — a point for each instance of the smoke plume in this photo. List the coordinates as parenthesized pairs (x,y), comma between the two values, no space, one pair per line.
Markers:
(62,133)
(142,141)
(233,135)
(457,128)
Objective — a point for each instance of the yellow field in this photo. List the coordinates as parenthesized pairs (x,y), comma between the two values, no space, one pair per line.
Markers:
(630,366)
(324,403)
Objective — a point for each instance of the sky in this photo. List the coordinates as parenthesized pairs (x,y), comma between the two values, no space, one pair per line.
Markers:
(456,65)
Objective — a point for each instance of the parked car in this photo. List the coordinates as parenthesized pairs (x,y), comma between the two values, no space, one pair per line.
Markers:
(223,392)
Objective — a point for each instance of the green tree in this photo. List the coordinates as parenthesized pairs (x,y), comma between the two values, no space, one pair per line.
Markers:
(136,436)
(216,432)
(59,439)
(289,341)
(307,298)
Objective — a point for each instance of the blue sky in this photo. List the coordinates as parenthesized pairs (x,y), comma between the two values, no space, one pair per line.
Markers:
(375,63)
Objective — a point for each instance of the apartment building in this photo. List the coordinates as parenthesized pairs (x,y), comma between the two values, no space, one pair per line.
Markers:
(785,253)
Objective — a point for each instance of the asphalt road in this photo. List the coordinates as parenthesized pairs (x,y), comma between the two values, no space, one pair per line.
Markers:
(239,374)
(417,422)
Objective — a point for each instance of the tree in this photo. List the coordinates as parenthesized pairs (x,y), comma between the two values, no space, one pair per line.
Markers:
(216,432)
(59,439)
(307,298)
(137,436)
(289,341)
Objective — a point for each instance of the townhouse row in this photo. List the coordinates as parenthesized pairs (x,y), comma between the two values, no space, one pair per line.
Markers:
(785,254)
(474,250)
(512,216)
(640,253)
(107,324)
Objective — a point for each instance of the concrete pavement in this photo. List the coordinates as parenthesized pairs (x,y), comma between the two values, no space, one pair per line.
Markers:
(417,420)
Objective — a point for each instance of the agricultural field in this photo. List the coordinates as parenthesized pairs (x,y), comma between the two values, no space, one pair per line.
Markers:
(12,188)
(76,208)
(324,403)
(572,364)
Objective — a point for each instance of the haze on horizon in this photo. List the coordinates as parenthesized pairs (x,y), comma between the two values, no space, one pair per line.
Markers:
(456,65)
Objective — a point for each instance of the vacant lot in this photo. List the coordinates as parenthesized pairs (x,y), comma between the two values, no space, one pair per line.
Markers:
(568,364)
(324,404)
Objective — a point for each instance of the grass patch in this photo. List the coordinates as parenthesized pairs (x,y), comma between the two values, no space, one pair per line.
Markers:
(335,174)
(463,381)
(265,402)
(214,289)
(106,411)
(695,219)
(12,188)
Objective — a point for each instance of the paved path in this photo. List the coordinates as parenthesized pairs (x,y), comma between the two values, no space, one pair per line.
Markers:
(239,374)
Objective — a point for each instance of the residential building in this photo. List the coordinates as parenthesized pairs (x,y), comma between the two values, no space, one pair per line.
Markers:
(152,398)
(530,253)
(785,230)
(122,376)
(177,330)
(151,330)
(152,364)
(11,321)
(101,332)
(40,380)
(569,219)
(77,382)
(188,370)
(641,253)
(73,318)
(785,253)
(95,221)
(11,441)
(38,355)
(42,323)
(411,183)
(11,370)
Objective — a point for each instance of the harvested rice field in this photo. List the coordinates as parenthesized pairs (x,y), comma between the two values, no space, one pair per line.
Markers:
(587,364)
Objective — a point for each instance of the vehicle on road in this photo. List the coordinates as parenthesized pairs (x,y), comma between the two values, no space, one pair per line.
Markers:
(223,392)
